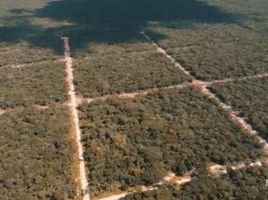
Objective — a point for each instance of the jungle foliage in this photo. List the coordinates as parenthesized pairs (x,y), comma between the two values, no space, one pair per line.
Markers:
(250,98)
(137,141)
(36,155)
(34,84)
(126,68)
(241,184)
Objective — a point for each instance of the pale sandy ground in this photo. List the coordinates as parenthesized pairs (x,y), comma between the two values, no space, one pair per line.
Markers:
(170,178)
(22,65)
(131,95)
(73,109)
(218,170)
(2,111)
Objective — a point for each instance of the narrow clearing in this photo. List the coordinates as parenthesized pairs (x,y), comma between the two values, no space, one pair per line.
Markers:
(131,95)
(162,51)
(74,114)
(219,170)
(169,178)
(22,65)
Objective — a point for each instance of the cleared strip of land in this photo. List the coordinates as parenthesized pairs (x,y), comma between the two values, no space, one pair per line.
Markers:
(75,118)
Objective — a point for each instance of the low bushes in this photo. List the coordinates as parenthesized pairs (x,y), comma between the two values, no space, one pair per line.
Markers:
(136,142)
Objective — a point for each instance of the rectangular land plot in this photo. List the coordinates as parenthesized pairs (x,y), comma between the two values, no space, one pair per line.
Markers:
(22,53)
(109,72)
(217,52)
(138,141)
(34,84)
(241,184)
(36,155)
(97,40)
(250,98)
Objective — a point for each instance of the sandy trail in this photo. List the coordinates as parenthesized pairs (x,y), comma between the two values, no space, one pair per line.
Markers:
(203,87)
(162,51)
(22,65)
(131,95)
(35,106)
(228,80)
(2,111)
(219,170)
(233,115)
(170,178)
(73,109)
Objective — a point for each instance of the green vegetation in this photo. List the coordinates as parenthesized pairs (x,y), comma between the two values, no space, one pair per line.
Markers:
(35,84)
(250,98)
(118,69)
(215,51)
(253,13)
(36,155)
(137,141)
(242,184)
(115,42)
(22,53)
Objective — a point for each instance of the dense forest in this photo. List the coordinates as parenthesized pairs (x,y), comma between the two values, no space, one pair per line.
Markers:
(241,184)
(123,68)
(251,104)
(131,142)
(36,155)
(34,84)
(138,141)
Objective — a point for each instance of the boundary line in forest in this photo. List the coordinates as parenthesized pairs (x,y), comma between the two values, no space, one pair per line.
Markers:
(169,178)
(35,106)
(219,170)
(170,58)
(84,100)
(228,109)
(75,119)
(213,170)
(22,65)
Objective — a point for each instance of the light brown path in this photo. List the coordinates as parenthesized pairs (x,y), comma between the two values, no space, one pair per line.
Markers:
(74,113)
(169,178)
(131,95)
(22,65)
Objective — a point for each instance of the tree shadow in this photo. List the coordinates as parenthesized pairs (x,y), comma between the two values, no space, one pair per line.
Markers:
(107,21)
